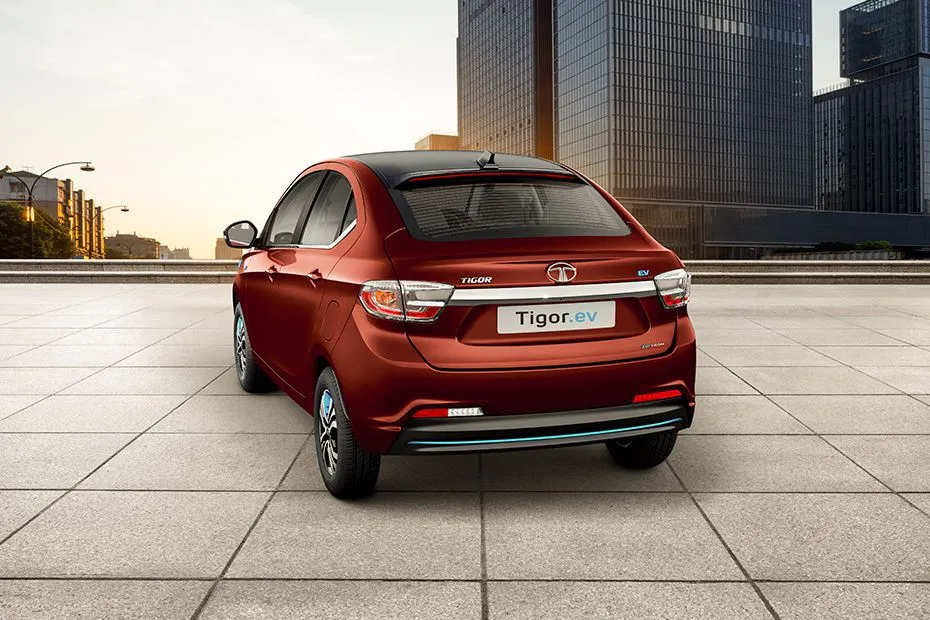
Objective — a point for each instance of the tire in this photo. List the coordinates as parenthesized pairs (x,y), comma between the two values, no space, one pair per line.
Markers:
(251,376)
(347,470)
(642,452)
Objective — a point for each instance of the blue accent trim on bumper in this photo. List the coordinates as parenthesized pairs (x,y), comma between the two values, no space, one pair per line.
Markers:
(477,442)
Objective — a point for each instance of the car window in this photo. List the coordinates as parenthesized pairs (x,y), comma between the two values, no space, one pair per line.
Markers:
(284,219)
(351,216)
(472,209)
(328,211)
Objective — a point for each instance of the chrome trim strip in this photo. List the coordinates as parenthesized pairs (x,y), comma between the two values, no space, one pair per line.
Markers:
(555,292)
(285,246)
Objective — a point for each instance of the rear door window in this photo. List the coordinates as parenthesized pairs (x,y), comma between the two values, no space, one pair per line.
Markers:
(280,228)
(473,209)
(328,212)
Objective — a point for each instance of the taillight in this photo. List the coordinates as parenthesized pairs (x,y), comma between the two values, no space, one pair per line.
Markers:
(419,302)
(674,288)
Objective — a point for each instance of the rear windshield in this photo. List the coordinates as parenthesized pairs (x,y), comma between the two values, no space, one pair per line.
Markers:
(457,210)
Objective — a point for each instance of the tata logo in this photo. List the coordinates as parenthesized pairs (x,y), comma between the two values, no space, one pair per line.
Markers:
(561,272)
(642,273)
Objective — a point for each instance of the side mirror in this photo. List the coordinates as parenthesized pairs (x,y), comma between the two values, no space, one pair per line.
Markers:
(240,235)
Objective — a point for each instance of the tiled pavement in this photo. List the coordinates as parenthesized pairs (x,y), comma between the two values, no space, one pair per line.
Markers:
(138,481)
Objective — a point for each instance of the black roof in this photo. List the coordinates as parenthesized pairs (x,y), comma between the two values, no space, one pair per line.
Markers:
(396,167)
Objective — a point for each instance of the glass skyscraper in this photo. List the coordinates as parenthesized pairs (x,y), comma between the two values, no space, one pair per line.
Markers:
(697,100)
(873,135)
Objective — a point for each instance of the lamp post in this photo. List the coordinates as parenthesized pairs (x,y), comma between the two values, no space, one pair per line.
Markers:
(122,208)
(86,166)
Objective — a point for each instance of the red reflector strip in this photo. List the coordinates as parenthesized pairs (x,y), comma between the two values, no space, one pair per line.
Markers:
(432,413)
(648,398)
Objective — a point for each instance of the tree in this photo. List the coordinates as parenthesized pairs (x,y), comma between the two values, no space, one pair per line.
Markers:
(52,238)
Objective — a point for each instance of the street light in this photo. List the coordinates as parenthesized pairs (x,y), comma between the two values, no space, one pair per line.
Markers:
(122,208)
(86,166)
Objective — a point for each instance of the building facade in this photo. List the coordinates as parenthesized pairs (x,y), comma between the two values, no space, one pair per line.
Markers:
(224,252)
(133,246)
(505,76)
(437,142)
(57,200)
(873,133)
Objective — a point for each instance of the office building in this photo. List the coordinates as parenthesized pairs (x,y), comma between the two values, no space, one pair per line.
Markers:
(437,142)
(697,114)
(873,132)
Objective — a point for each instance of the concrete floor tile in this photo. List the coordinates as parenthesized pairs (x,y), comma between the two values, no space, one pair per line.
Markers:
(157,318)
(40,380)
(704,321)
(900,461)
(113,337)
(908,379)
(855,415)
(253,413)
(705,360)
(829,337)
(740,337)
(8,351)
(70,413)
(182,355)
(720,381)
(387,536)
(60,321)
(923,398)
(882,323)
(843,601)
(226,384)
(619,536)
(10,318)
(132,534)
(878,356)
(145,381)
(921,500)
(802,463)
(917,337)
(779,323)
(55,356)
(742,415)
(128,600)
(827,380)
(768,356)
(19,507)
(34,337)
(195,336)
(346,600)
(823,537)
(11,403)
(567,600)
(199,463)
(582,468)
(53,461)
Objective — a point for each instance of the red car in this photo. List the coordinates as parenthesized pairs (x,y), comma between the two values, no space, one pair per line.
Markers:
(438,302)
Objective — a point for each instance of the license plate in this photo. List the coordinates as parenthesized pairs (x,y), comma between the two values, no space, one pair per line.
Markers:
(556,317)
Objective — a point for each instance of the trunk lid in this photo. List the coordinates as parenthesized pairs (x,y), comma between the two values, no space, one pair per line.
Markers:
(507,312)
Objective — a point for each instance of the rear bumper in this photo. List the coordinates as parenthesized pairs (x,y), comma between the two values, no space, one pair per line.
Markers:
(540,430)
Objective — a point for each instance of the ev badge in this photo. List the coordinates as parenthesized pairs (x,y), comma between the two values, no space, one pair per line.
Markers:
(642,273)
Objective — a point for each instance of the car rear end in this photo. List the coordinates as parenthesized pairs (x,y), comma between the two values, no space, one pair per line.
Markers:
(526,309)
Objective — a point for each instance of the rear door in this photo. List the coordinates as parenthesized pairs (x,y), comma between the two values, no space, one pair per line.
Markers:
(302,282)
(546,274)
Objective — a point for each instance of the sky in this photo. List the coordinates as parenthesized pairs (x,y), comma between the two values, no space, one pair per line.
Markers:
(198,113)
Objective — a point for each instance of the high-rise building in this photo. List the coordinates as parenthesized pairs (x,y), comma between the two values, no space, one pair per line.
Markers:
(872,134)
(505,76)
(437,142)
(654,99)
